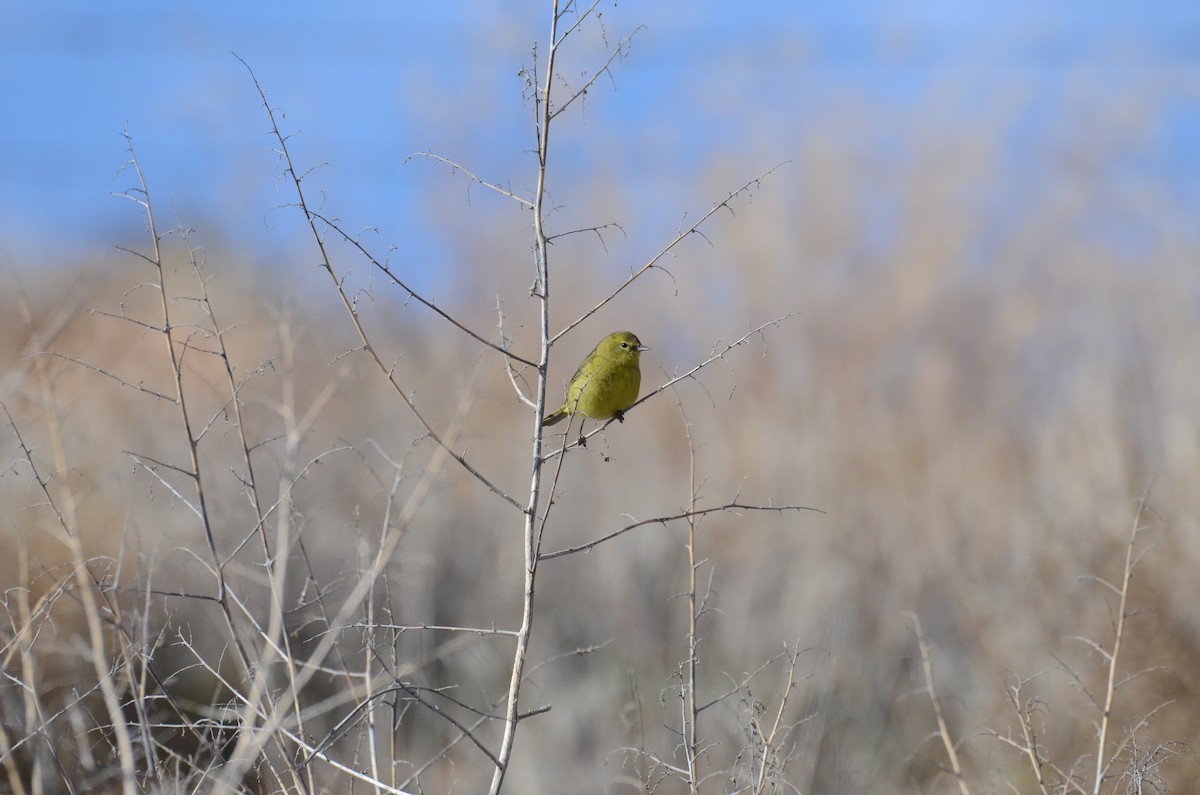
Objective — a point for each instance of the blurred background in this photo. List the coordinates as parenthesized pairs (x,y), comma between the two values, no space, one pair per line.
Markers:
(987,216)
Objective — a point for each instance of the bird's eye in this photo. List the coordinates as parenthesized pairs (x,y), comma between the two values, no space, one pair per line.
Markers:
(624,344)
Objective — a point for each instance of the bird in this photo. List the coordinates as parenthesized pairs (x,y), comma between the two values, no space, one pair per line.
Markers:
(607,381)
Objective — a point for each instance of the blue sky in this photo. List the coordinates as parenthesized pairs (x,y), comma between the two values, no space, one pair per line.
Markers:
(367,84)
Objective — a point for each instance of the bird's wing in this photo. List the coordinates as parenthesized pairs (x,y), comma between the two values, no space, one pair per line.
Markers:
(583,366)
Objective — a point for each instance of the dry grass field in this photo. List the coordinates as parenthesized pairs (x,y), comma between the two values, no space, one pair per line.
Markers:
(240,562)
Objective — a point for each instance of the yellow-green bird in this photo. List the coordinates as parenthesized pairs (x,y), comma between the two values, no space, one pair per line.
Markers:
(607,381)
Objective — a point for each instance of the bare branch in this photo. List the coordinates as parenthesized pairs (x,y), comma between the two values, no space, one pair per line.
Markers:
(717,355)
(943,730)
(383,268)
(1110,691)
(311,217)
(729,506)
(621,49)
(724,204)
(101,371)
(474,178)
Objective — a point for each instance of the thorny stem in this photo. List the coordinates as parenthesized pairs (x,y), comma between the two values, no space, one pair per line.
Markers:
(543,115)
(224,597)
(694,229)
(769,738)
(67,517)
(689,515)
(155,259)
(367,346)
(1119,632)
(693,620)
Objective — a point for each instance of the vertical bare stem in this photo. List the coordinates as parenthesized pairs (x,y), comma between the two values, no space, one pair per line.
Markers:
(943,730)
(693,620)
(1111,688)
(769,738)
(543,116)
(177,373)
(66,513)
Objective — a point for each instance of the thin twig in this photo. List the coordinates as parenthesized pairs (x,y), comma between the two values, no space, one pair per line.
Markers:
(1110,690)
(531,537)
(475,178)
(729,506)
(943,730)
(667,249)
(714,357)
(382,267)
(327,265)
